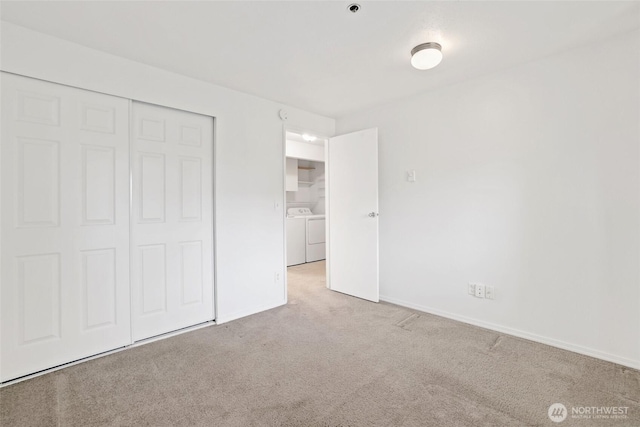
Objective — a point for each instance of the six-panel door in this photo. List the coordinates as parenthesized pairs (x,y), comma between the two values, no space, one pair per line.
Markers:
(64,225)
(172,224)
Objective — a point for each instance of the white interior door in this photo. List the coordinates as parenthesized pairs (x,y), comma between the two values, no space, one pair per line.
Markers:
(353,214)
(64,285)
(172,226)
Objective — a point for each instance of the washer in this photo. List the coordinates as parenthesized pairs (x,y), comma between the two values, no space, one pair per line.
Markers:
(306,236)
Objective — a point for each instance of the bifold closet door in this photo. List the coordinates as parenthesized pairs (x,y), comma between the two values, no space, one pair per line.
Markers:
(172,227)
(64,225)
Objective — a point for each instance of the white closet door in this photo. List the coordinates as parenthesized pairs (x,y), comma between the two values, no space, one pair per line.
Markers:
(172,230)
(64,290)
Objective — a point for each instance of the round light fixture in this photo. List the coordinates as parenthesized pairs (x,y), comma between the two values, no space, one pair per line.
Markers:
(308,138)
(426,55)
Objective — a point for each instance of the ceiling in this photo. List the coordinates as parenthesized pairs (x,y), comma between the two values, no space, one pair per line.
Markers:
(318,56)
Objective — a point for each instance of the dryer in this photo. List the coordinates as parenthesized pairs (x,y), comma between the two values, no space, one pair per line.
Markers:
(316,236)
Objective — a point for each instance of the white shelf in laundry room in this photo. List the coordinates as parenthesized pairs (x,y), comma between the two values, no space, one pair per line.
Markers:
(309,187)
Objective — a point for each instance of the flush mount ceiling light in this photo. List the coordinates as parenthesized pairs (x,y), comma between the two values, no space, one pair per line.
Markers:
(308,138)
(426,55)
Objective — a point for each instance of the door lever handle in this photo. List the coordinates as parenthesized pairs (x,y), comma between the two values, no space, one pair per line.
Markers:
(373,214)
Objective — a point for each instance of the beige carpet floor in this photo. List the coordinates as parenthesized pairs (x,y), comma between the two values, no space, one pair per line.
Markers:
(327,359)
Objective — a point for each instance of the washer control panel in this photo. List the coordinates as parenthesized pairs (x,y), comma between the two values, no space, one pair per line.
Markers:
(299,212)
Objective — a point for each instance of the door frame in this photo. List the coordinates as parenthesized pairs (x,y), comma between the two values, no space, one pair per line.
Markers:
(298,129)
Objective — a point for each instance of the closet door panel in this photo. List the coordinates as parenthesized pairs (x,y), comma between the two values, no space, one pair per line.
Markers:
(64,281)
(172,230)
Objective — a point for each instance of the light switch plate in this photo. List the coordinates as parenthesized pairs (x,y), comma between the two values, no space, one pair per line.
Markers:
(472,289)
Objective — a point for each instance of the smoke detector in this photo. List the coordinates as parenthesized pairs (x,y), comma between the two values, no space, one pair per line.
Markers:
(354,7)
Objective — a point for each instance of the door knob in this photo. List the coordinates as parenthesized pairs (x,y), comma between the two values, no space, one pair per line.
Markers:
(373,214)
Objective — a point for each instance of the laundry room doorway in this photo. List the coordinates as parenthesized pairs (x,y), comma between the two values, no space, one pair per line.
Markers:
(305,210)
(331,213)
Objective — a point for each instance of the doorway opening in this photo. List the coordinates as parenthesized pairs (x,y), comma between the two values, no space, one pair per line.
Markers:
(306,210)
(331,190)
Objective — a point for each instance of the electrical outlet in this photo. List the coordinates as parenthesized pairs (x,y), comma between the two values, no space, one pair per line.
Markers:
(489,292)
(276,277)
(472,289)
(480,290)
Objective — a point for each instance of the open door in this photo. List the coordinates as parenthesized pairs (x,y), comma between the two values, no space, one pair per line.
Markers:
(352,178)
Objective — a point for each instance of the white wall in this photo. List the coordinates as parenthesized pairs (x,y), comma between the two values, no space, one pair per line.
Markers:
(528,180)
(249,154)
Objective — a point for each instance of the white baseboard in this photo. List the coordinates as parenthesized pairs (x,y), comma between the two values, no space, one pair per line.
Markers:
(518,333)
(224,318)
